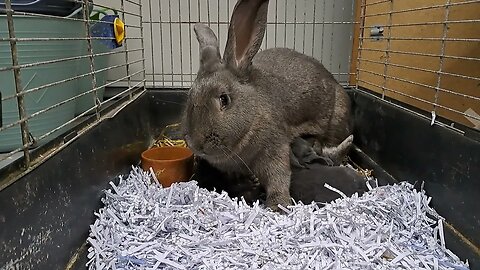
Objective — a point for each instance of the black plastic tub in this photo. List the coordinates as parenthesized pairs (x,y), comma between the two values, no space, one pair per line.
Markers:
(45,215)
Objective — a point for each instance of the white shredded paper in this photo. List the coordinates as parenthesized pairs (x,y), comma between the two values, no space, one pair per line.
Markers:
(145,226)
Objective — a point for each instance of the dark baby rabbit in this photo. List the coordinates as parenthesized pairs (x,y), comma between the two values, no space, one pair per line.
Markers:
(309,174)
(236,185)
(303,153)
(312,189)
(244,110)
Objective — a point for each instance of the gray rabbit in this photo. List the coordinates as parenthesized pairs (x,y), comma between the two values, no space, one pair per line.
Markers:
(244,110)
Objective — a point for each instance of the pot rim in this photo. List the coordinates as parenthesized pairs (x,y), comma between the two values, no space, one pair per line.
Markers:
(185,149)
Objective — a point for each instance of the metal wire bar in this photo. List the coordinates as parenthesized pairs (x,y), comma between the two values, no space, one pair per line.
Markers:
(276,20)
(424,23)
(208,13)
(421,8)
(125,48)
(228,9)
(19,122)
(360,42)
(162,56)
(269,23)
(82,94)
(265,36)
(179,74)
(171,33)
(285,25)
(18,84)
(422,100)
(295,23)
(61,39)
(129,90)
(5,156)
(190,39)
(90,51)
(23,119)
(331,38)
(180,37)
(430,39)
(422,54)
(132,26)
(61,60)
(404,108)
(421,84)
(313,30)
(38,15)
(66,18)
(375,3)
(107,7)
(135,3)
(24,92)
(425,70)
(304,25)
(218,16)
(350,56)
(151,38)
(387,51)
(142,44)
(177,83)
(442,52)
(323,29)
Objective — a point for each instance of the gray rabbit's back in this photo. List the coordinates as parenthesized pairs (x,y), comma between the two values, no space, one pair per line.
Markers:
(304,92)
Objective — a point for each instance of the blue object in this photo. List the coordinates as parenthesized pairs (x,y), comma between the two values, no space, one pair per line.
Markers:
(105,29)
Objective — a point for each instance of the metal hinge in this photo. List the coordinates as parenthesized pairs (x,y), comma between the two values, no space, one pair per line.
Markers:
(376,32)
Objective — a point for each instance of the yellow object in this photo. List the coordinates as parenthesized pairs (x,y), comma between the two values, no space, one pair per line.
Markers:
(119,30)
(165,141)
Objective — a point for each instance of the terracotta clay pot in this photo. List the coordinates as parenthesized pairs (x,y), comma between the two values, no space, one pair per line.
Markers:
(170,163)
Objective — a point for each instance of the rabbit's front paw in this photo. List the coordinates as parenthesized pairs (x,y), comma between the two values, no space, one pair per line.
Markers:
(273,200)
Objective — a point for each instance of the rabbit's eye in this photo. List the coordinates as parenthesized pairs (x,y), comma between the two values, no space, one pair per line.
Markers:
(224,101)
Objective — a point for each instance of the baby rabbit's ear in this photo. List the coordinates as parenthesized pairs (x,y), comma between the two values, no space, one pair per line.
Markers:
(245,34)
(210,58)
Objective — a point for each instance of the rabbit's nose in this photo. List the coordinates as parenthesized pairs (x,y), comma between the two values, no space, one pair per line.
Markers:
(198,149)
(189,141)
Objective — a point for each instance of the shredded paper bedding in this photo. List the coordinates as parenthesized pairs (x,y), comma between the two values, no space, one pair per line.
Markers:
(145,226)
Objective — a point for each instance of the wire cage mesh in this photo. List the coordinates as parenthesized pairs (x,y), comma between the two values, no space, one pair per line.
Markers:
(319,28)
(428,57)
(54,70)
(421,55)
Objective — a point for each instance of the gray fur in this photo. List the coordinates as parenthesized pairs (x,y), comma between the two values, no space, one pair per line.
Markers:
(302,152)
(276,95)
(209,48)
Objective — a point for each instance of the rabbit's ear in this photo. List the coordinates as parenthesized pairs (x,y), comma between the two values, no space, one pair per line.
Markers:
(210,58)
(245,34)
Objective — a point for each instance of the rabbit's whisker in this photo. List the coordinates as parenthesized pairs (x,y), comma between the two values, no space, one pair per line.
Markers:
(229,156)
(244,163)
